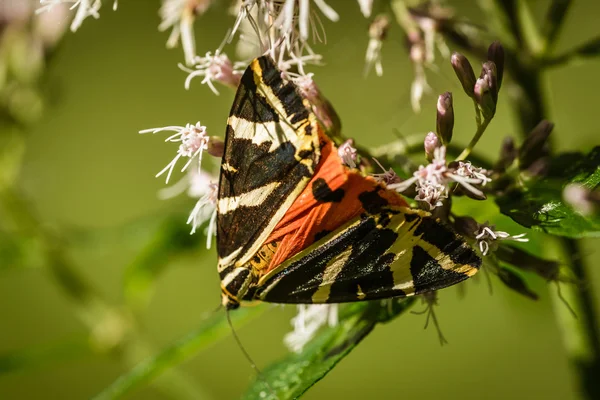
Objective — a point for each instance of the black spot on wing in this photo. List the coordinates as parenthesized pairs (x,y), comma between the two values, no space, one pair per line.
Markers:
(372,201)
(323,193)
(428,274)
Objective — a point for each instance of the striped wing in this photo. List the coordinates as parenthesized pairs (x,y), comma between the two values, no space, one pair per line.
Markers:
(271,149)
(395,252)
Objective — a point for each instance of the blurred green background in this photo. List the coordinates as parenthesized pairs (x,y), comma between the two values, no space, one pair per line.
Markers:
(88,172)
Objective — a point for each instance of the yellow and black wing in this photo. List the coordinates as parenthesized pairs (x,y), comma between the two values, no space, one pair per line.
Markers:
(271,149)
(395,252)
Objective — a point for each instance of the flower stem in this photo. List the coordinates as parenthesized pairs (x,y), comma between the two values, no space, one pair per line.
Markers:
(480,129)
(581,336)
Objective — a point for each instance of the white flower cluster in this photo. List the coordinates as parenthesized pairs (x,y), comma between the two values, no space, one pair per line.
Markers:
(85,8)
(433,181)
(487,238)
(307,322)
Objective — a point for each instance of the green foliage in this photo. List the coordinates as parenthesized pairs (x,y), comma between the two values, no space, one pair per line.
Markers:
(214,328)
(538,202)
(294,375)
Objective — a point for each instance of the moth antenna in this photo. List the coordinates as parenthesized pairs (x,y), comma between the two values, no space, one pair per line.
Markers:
(247,355)
(565,302)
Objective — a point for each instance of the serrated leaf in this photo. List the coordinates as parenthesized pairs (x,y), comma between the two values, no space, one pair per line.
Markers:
(539,204)
(294,375)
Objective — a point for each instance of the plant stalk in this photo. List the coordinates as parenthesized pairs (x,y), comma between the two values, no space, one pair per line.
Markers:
(581,336)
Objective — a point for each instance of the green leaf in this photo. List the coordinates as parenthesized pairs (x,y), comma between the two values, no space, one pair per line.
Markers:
(214,328)
(538,203)
(295,374)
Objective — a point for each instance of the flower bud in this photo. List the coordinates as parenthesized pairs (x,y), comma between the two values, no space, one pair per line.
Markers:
(496,54)
(484,98)
(461,190)
(445,118)
(464,72)
(348,153)
(538,168)
(215,147)
(322,108)
(535,145)
(508,153)
(489,73)
(431,143)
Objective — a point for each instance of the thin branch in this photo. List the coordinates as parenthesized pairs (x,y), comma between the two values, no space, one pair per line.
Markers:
(553,23)
(588,50)
(480,129)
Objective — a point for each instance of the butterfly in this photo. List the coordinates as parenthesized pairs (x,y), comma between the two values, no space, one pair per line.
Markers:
(295,225)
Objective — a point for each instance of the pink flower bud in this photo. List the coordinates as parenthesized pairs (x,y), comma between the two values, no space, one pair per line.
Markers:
(464,71)
(431,143)
(445,118)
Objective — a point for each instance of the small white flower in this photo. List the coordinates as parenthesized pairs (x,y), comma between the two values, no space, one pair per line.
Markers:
(306,85)
(307,322)
(206,210)
(377,33)
(418,87)
(213,68)
(467,170)
(348,153)
(179,15)
(202,186)
(432,181)
(85,8)
(487,238)
(193,139)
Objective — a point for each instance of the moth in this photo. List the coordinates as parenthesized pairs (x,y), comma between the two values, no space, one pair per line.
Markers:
(295,225)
